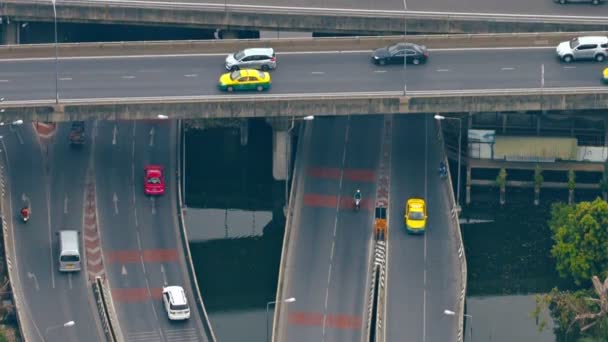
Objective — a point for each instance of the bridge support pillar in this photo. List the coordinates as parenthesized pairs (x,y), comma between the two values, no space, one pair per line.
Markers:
(281,147)
(468,186)
(10,32)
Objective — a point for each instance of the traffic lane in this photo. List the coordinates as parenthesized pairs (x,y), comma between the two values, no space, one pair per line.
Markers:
(348,286)
(406,304)
(323,146)
(67,167)
(165,260)
(49,298)
(442,257)
(305,73)
(124,266)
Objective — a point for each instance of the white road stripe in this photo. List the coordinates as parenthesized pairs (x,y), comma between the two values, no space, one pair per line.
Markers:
(443,70)
(65,79)
(380,71)
(507,69)
(191,75)
(317,72)
(4,81)
(127,77)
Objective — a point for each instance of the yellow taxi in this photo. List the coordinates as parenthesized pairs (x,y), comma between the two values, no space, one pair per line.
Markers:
(244,79)
(415,215)
(605,78)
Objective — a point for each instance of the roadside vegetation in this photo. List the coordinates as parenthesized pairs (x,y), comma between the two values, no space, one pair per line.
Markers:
(580,234)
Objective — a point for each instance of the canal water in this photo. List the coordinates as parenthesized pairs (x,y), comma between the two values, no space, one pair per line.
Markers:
(236,222)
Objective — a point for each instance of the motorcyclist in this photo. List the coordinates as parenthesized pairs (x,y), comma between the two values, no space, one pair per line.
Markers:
(25,213)
(358,195)
(443,170)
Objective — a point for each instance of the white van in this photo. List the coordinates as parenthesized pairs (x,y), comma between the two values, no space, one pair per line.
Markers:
(69,251)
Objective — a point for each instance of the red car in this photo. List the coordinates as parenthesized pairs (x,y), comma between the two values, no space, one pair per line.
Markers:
(154,181)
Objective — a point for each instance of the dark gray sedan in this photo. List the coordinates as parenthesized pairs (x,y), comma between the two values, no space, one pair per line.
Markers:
(400,52)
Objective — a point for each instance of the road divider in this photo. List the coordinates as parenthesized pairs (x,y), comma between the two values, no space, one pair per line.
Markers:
(107,313)
(284,45)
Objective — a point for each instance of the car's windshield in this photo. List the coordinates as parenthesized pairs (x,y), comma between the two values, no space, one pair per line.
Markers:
(154,180)
(394,48)
(416,215)
(235,75)
(574,43)
(239,55)
(179,307)
(70,258)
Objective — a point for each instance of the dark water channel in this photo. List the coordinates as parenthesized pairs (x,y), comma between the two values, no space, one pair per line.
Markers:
(235,221)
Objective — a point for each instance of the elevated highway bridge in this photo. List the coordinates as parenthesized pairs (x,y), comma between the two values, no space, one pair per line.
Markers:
(334,16)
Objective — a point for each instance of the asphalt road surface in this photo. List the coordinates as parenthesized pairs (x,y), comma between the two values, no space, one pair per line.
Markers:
(526,7)
(421,269)
(140,234)
(49,178)
(296,73)
(328,266)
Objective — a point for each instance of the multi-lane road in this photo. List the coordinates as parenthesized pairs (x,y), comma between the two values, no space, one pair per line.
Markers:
(328,263)
(139,235)
(297,73)
(422,270)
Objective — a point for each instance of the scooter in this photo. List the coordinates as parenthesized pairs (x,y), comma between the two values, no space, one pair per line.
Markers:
(357,204)
(24,218)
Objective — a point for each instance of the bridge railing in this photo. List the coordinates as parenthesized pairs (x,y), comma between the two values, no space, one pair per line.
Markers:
(9,250)
(184,239)
(455,230)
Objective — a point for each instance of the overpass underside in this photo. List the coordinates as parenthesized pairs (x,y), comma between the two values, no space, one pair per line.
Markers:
(329,20)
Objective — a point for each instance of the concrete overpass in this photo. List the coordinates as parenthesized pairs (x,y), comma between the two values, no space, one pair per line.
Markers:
(338,16)
(289,105)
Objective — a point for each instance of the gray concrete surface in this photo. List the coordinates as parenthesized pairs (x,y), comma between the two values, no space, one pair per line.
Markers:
(422,270)
(53,184)
(437,16)
(143,229)
(324,83)
(326,269)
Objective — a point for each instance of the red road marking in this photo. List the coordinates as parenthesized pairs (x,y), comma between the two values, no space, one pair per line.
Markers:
(360,175)
(319,172)
(349,203)
(122,256)
(314,200)
(160,255)
(336,321)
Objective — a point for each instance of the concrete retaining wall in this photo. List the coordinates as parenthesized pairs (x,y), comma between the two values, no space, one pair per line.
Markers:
(233,17)
(287,45)
(241,106)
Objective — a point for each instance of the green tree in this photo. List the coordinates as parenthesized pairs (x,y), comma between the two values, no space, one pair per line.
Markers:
(580,239)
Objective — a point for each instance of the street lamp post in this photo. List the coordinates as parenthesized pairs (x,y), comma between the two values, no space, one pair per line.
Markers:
(64,325)
(452,313)
(441,117)
(288,159)
(288,300)
(56,56)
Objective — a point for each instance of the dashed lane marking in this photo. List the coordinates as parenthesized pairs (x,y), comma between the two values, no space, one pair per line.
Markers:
(181,335)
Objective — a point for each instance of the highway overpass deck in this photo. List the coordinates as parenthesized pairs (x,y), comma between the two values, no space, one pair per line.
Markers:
(327,262)
(320,83)
(387,16)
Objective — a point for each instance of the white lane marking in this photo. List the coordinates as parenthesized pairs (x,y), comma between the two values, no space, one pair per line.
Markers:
(380,71)
(123,271)
(70,280)
(4,81)
(424,316)
(32,277)
(153,200)
(317,72)
(151,137)
(65,79)
(162,271)
(191,75)
(114,133)
(185,55)
(65,204)
(443,70)
(507,69)
(129,77)
(569,67)
(115,200)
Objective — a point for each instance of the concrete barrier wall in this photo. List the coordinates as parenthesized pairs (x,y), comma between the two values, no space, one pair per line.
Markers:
(242,106)
(287,45)
(235,17)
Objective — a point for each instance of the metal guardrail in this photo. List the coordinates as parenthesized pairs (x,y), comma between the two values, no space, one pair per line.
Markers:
(285,45)
(106,310)
(455,227)
(186,246)
(321,11)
